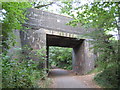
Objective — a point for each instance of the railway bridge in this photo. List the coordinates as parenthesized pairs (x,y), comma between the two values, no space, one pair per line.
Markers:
(45,29)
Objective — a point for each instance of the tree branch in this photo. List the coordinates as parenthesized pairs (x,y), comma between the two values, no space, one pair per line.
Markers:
(40,6)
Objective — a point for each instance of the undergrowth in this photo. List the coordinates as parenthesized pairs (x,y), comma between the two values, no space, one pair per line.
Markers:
(21,71)
(61,57)
(109,77)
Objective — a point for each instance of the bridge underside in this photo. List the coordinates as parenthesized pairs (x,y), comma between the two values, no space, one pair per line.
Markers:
(60,41)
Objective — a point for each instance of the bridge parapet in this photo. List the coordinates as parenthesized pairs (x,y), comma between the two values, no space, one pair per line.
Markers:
(42,19)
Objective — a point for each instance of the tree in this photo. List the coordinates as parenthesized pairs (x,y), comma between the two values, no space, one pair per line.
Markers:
(103,16)
(13,18)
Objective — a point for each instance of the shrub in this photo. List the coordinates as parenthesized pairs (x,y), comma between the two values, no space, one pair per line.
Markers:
(61,57)
(108,78)
(20,72)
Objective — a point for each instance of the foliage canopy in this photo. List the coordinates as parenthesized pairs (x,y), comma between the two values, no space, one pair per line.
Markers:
(104,17)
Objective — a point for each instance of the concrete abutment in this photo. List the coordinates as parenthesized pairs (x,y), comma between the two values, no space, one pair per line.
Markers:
(83,58)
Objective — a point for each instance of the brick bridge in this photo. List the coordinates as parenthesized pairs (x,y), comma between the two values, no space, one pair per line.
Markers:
(48,29)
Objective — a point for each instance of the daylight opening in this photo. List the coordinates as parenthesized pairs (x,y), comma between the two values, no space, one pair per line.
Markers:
(60,57)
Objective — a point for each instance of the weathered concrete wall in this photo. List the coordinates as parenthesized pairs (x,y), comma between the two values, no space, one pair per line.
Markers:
(15,50)
(89,57)
(83,58)
(35,40)
(41,19)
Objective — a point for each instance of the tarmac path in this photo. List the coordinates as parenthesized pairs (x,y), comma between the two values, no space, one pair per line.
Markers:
(65,79)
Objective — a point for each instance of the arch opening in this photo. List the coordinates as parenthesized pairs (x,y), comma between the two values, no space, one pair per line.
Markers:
(66,42)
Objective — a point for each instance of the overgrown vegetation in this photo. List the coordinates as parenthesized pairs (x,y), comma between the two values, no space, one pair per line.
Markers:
(13,18)
(104,17)
(108,77)
(61,57)
(20,73)
(19,69)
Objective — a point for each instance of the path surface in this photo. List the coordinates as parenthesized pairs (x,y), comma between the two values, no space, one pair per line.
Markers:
(64,79)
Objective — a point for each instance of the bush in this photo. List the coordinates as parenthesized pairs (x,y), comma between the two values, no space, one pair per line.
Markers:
(61,57)
(20,72)
(108,78)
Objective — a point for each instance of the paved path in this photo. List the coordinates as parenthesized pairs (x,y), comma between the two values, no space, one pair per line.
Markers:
(64,79)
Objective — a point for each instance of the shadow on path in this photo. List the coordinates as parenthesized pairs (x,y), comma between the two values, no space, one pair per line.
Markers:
(59,73)
(64,79)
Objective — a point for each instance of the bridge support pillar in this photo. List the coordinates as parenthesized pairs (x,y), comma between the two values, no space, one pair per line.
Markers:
(35,40)
(83,58)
